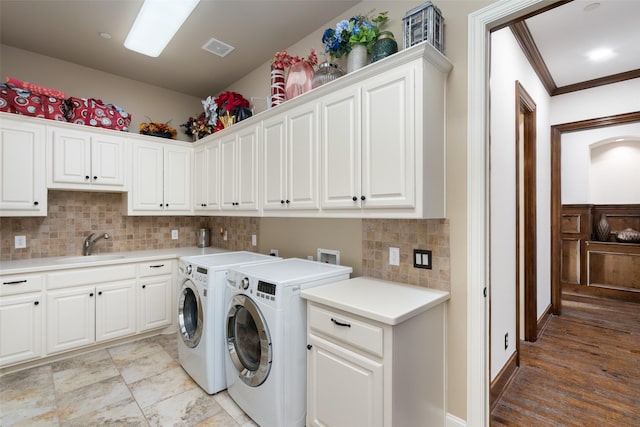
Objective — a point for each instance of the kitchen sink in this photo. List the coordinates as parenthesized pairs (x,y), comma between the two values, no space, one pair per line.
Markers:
(89,258)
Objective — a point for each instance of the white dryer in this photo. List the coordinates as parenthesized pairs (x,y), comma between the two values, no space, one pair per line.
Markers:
(201,314)
(266,359)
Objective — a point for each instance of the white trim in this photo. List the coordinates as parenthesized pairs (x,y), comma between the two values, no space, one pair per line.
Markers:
(477,200)
(453,421)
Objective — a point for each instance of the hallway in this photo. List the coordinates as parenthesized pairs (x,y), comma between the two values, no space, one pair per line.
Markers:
(584,370)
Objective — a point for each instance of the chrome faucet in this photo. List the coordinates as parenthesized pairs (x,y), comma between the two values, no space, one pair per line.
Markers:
(87,246)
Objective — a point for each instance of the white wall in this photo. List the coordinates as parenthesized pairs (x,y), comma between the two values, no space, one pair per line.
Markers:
(607,179)
(509,64)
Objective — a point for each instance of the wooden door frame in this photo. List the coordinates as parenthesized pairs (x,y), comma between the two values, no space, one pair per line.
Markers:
(526,105)
(556,187)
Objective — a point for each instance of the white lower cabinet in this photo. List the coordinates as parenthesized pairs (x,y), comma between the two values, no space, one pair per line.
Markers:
(21,336)
(155,295)
(115,310)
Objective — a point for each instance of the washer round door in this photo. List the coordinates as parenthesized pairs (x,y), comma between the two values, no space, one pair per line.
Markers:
(248,341)
(190,317)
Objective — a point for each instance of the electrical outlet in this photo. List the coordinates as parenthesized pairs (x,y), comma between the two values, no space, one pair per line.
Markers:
(273,252)
(394,256)
(225,236)
(506,340)
(254,240)
(174,234)
(21,242)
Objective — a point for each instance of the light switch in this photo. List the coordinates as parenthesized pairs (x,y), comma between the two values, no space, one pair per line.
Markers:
(254,240)
(394,256)
(422,258)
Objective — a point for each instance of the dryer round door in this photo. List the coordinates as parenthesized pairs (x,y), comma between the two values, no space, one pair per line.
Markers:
(248,341)
(190,316)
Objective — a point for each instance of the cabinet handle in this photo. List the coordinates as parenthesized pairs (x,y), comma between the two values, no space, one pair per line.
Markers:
(309,346)
(35,203)
(144,286)
(363,198)
(354,198)
(15,282)
(91,294)
(339,323)
(100,293)
(156,266)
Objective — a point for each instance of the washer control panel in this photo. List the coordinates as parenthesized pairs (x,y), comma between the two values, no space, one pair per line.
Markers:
(198,274)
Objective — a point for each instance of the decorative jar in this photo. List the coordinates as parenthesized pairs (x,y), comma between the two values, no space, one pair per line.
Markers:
(384,46)
(326,72)
(278,94)
(357,57)
(603,229)
(299,79)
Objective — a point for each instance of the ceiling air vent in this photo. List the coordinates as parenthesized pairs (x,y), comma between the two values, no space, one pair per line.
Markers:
(217,47)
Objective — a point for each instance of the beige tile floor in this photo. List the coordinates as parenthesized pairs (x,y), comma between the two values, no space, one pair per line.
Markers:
(134,384)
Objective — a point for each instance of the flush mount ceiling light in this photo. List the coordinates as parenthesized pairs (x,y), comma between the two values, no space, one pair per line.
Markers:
(600,54)
(156,24)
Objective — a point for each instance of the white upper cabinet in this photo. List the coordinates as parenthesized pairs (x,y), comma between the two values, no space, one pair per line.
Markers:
(23,184)
(239,170)
(206,177)
(85,159)
(161,182)
(290,161)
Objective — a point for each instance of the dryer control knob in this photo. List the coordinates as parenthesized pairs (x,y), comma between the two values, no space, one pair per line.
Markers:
(189,269)
(245,283)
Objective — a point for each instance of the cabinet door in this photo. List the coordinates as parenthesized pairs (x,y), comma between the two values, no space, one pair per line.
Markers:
(20,328)
(388,139)
(274,142)
(177,178)
(303,157)
(107,161)
(357,401)
(206,191)
(70,318)
(115,310)
(147,191)
(247,169)
(23,185)
(71,157)
(228,172)
(154,302)
(341,150)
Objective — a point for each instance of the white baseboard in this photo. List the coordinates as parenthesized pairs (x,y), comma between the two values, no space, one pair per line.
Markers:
(453,421)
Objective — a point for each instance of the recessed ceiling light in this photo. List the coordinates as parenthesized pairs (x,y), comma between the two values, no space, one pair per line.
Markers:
(592,6)
(600,54)
(156,24)
(104,35)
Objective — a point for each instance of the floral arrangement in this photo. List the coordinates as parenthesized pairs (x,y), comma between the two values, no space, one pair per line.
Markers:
(360,29)
(158,129)
(283,60)
(198,127)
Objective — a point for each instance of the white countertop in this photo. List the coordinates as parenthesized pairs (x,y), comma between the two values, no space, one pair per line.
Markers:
(387,302)
(34,265)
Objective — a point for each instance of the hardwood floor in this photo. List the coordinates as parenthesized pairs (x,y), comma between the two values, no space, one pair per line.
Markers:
(584,370)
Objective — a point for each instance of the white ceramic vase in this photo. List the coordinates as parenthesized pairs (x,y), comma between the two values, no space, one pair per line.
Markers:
(357,58)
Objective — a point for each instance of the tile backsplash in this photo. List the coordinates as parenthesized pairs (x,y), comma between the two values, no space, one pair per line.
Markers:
(378,235)
(73,215)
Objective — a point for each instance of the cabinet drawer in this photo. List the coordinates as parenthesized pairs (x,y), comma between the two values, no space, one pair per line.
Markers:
(86,276)
(156,268)
(20,284)
(347,329)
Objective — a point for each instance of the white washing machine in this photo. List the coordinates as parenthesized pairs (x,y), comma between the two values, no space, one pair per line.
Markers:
(266,361)
(201,314)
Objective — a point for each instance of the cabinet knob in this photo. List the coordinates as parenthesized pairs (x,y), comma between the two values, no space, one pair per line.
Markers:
(86,178)
(363,198)
(282,202)
(354,198)
(91,294)
(309,346)
(95,178)
(161,205)
(166,205)
(100,293)
(144,286)
(36,203)
(288,202)
(36,302)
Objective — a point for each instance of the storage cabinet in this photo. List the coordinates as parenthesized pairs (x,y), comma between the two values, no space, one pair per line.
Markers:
(23,183)
(155,295)
(161,182)
(89,305)
(206,177)
(376,354)
(83,159)
(21,317)
(239,170)
(368,143)
(290,160)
